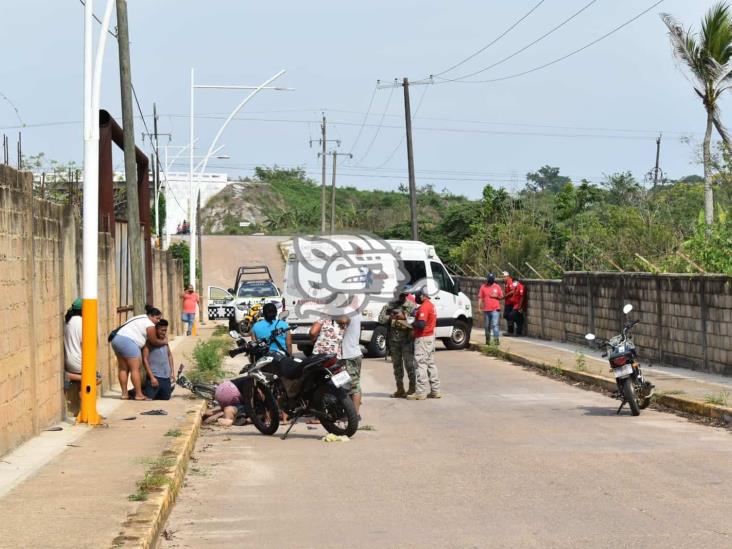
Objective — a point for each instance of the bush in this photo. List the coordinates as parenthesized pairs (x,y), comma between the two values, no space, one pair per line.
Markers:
(208,357)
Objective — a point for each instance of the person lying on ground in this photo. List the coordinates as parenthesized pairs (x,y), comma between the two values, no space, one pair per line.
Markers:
(229,396)
(158,362)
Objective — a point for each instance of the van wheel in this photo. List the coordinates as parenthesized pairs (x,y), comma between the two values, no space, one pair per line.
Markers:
(377,346)
(460,336)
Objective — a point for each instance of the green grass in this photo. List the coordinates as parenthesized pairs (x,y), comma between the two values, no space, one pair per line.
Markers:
(208,358)
(719,399)
(367,428)
(580,362)
(220,330)
(173,433)
(155,477)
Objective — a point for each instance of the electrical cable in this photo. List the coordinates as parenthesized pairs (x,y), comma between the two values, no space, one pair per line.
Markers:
(378,129)
(363,123)
(526,47)
(555,61)
(401,141)
(495,40)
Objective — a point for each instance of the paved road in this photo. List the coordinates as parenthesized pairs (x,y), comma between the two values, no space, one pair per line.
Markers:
(508,458)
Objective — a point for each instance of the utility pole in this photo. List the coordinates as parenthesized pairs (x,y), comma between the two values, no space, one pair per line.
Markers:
(410,148)
(154,141)
(200,253)
(658,157)
(133,206)
(335,154)
(323,142)
(410,162)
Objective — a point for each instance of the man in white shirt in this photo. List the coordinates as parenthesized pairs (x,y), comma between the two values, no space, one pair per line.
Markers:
(351,357)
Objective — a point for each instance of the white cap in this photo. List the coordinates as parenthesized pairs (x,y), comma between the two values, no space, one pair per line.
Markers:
(505,273)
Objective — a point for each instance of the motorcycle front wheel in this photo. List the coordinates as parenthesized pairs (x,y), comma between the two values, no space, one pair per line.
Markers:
(339,413)
(629,395)
(260,407)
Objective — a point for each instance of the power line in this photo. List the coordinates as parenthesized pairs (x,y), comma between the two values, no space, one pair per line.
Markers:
(526,47)
(401,141)
(365,118)
(555,61)
(378,129)
(495,40)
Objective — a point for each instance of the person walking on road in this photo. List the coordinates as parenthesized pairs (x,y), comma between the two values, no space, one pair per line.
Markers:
(425,320)
(489,301)
(190,301)
(400,341)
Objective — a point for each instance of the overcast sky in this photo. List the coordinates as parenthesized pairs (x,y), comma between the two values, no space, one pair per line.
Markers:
(596,113)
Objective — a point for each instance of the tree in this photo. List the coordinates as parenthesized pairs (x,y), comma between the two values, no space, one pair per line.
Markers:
(706,55)
(546,179)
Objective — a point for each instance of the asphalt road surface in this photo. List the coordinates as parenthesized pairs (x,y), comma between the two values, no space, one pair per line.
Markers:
(508,458)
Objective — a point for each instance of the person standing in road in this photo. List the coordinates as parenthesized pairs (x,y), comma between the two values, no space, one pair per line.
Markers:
(519,306)
(190,301)
(509,286)
(425,320)
(400,341)
(489,300)
(351,357)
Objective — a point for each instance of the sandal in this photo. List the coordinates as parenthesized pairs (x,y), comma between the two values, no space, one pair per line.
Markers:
(154,413)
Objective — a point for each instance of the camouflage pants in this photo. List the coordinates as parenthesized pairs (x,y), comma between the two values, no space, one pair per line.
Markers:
(402,358)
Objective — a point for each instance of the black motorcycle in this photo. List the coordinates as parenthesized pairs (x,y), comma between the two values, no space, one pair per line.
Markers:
(620,351)
(300,387)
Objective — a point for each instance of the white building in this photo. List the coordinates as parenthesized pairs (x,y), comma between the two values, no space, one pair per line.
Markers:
(177,195)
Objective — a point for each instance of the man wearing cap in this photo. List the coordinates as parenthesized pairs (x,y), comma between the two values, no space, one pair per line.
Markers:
(489,301)
(72,343)
(425,320)
(394,316)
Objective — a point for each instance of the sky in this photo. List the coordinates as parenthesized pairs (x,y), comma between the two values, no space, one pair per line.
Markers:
(595,113)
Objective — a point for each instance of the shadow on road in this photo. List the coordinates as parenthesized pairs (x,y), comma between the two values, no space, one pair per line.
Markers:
(597,410)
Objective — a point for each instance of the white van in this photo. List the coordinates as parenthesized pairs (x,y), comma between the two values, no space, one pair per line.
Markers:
(401,262)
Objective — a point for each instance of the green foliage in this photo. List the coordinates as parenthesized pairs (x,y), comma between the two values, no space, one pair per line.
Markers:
(208,357)
(180,250)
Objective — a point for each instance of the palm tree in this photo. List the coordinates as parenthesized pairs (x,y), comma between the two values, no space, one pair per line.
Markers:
(707,55)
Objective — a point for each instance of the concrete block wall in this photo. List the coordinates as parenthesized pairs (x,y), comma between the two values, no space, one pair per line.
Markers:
(684,320)
(40,276)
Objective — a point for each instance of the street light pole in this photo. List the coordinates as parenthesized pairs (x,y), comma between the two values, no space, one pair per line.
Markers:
(194,192)
(90,223)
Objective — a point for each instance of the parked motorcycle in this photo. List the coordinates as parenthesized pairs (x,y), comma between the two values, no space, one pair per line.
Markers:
(621,353)
(301,387)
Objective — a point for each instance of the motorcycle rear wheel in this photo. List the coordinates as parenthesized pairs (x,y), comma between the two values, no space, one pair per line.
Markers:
(339,408)
(629,395)
(261,408)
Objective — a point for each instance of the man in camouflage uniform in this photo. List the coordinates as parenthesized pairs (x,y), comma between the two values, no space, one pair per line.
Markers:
(400,341)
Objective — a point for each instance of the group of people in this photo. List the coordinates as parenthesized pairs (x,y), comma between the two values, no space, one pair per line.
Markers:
(513,296)
(410,322)
(140,345)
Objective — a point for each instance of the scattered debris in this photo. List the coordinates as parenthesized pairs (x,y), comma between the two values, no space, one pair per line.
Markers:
(367,428)
(330,437)
(129,418)
(168,534)
(54,429)
(157,412)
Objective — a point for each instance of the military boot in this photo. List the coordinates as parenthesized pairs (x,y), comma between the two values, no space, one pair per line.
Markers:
(412,389)
(400,393)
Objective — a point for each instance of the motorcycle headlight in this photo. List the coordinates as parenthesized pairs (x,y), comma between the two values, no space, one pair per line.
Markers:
(242,307)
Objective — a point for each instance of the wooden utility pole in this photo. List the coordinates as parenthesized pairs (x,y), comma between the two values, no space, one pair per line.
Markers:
(410,162)
(335,154)
(133,208)
(200,254)
(322,186)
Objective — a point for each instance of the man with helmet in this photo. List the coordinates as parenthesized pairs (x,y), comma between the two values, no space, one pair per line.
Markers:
(394,316)
(425,320)
(489,301)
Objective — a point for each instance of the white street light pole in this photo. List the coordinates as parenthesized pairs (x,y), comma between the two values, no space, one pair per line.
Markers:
(90,224)
(194,193)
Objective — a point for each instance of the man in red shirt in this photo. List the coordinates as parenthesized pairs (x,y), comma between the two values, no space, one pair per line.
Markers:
(519,306)
(509,294)
(489,301)
(425,320)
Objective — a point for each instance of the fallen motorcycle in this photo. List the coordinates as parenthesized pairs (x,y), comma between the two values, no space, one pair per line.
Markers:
(621,353)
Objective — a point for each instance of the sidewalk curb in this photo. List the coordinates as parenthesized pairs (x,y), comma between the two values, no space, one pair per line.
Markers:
(142,529)
(681,404)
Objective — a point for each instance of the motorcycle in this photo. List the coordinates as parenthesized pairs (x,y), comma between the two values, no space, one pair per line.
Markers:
(620,351)
(300,387)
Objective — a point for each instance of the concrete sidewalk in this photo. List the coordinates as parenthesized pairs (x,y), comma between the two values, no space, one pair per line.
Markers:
(669,381)
(70,488)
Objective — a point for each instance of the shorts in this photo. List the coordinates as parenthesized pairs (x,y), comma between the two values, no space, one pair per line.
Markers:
(125,347)
(353,367)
